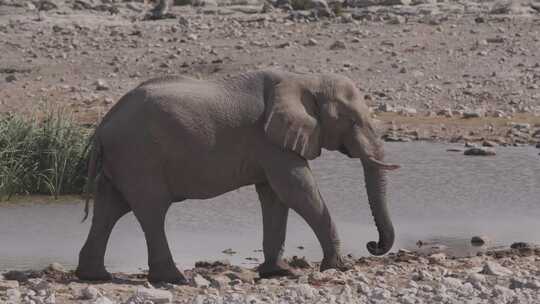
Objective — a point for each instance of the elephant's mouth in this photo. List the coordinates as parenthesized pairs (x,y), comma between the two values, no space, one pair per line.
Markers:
(372,160)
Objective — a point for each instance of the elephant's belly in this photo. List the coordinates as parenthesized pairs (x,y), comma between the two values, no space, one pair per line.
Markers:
(206,177)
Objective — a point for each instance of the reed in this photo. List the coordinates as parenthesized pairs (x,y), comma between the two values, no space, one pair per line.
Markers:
(42,155)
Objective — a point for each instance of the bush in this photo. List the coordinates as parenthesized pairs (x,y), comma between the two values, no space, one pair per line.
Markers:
(42,156)
(182,2)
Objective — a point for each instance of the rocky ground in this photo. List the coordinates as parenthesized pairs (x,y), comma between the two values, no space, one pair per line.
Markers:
(505,276)
(441,70)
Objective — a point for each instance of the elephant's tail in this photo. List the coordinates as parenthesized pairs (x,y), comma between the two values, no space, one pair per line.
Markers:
(94,158)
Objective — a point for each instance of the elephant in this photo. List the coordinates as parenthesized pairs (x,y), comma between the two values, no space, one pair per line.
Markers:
(176,138)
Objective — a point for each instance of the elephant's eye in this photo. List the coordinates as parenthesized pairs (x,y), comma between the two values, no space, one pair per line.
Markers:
(357,123)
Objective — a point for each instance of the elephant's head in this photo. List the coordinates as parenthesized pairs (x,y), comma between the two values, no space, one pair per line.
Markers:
(306,114)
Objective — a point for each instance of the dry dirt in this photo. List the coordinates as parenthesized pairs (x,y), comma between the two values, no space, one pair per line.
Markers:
(417,64)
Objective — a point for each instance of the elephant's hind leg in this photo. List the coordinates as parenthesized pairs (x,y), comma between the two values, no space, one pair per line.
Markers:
(151,215)
(109,206)
(275,215)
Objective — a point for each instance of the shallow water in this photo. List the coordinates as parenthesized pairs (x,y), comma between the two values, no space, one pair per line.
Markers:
(437,196)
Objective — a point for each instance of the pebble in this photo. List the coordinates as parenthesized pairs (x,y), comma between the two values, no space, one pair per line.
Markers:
(57,267)
(11,78)
(39,284)
(479,240)
(220,281)
(338,45)
(103,300)
(101,85)
(312,42)
(229,251)
(493,268)
(5,285)
(452,282)
(483,151)
(488,143)
(13,296)
(157,296)
(476,279)
(90,293)
(199,281)
(472,114)
(299,262)
(521,245)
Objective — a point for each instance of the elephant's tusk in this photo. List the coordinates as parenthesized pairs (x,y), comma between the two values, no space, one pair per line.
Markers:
(296,139)
(382,164)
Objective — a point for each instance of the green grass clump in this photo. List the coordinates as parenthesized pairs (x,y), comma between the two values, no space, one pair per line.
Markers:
(182,2)
(42,156)
(301,4)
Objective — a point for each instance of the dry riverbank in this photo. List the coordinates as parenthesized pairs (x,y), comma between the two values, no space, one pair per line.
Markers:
(431,70)
(504,276)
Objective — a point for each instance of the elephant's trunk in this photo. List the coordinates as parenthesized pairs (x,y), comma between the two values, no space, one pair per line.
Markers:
(376,191)
(363,144)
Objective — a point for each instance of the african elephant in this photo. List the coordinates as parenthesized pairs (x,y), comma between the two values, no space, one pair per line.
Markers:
(178,138)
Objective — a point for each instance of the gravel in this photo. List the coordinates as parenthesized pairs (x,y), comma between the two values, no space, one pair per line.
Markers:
(501,276)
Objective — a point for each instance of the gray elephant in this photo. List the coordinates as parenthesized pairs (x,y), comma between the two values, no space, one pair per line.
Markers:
(178,138)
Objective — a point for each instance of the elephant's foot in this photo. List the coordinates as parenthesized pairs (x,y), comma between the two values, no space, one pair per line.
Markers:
(87,273)
(335,262)
(276,269)
(166,273)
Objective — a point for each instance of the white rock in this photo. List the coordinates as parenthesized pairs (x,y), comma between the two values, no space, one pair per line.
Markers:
(503,292)
(437,257)
(13,295)
(305,290)
(103,300)
(407,300)
(51,299)
(155,295)
(90,293)
(220,281)
(317,276)
(57,267)
(38,284)
(252,299)
(493,268)
(452,282)
(521,283)
(380,294)
(407,111)
(473,114)
(101,85)
(199,281)
(476,280)
(5,285)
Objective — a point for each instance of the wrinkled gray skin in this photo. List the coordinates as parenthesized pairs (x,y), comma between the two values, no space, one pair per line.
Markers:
(178,138)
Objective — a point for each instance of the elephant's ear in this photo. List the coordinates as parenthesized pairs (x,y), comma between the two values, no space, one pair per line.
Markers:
(291,119)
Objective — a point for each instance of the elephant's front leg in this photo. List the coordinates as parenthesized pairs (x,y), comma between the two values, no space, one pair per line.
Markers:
(274,214)
(290,177)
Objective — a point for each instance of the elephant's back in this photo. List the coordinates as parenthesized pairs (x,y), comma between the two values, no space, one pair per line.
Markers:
(208,102)
(188,129)
(202,113)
